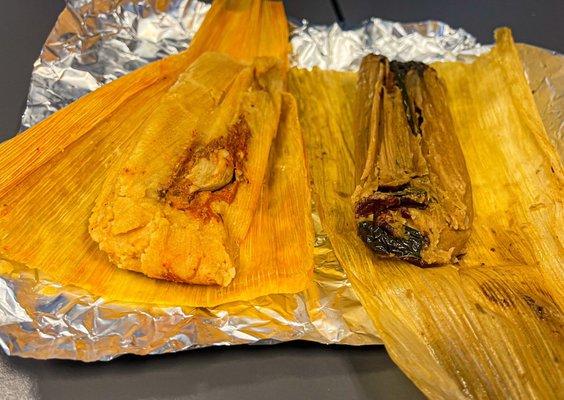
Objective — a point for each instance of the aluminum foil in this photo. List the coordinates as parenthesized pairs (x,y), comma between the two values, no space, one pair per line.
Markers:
(94,42)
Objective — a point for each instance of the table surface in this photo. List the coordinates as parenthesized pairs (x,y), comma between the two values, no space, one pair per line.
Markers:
(292,370)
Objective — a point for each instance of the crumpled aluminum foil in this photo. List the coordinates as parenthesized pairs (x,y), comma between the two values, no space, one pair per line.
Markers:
(94,42)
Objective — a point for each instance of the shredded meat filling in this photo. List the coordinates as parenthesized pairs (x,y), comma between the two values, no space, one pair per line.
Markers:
(209,172)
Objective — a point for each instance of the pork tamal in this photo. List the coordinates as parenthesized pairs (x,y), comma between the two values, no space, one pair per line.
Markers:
(205,122)
(184,199)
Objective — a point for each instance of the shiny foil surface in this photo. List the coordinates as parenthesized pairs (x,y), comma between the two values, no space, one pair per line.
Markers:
(96,41)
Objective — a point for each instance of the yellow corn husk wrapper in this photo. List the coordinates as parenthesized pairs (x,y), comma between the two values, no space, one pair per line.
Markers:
(545,73)
(491,326)
(53,173)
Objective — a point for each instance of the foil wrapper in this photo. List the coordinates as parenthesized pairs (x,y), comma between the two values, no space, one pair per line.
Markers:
(94,42)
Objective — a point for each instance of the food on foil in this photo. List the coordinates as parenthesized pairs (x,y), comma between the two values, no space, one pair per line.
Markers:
(135,164)
(190,169)
(414,198)
(489,326)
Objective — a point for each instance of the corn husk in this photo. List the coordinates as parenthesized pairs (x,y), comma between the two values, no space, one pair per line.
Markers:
(491,326)
(54,174)
(545,74)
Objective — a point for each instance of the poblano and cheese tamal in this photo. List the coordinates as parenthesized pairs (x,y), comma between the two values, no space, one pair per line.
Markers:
(488,325)
(413,198)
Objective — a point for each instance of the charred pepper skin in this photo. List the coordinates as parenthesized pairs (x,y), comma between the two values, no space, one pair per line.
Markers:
(400,70)
(382,241)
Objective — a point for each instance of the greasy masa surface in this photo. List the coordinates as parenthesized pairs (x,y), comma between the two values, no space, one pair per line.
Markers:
(491,326)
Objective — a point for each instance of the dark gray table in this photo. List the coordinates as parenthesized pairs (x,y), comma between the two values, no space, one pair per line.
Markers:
(287,371)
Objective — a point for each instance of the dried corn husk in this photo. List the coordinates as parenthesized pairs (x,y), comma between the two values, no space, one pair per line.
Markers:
(490,327)
(44,217)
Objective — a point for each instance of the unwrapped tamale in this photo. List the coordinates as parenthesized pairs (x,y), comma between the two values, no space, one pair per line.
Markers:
(55,172)
(491,325)
(414,199)
(184,199)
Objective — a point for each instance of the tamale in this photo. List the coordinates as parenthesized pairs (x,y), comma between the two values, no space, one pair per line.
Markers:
(44,217)
(490,326)
(275,257)
(184,199)
(414,198)
(186,195)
